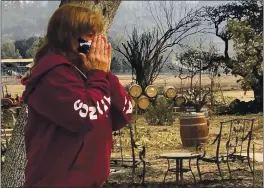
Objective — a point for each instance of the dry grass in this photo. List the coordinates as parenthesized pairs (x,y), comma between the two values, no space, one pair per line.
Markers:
(230,87)
(161,139)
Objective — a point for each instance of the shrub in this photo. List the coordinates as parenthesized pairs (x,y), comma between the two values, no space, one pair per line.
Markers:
(160,112)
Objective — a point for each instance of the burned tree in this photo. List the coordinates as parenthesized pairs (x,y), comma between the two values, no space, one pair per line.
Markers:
(15,159)
(195,60)
(147,53)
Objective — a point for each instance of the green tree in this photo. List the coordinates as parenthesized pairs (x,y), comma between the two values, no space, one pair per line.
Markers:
(241,22)
(31,52)
(9,50)
(248,45)
(27,47)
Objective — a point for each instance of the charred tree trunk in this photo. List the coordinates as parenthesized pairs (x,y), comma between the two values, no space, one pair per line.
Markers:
(15,161)
(12,174)
(108,8)
(258,95)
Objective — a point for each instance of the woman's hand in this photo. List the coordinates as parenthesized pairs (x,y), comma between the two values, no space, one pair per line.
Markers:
(99,56)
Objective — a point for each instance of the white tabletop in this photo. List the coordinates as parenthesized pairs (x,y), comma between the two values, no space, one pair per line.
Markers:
(179,155)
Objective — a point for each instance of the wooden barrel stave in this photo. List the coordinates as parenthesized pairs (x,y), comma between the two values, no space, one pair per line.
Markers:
(193,129)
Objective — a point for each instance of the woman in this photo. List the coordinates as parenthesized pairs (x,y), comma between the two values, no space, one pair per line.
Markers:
(74,103)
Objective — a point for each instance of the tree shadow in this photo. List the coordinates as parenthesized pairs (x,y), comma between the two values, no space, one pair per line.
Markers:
(238,180)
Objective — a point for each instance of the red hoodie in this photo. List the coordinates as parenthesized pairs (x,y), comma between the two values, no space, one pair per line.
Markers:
(71,116)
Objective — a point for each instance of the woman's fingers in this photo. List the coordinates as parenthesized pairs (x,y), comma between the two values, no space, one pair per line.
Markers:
(93,47)
(109,55)
(105,39)
(105,51)
(109,47)
(99,50)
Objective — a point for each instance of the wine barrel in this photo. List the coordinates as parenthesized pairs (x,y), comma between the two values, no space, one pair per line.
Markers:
(169,92)
(151,91)
(135,90)
(143,102)
(193,129)
(180,101)
(205,112)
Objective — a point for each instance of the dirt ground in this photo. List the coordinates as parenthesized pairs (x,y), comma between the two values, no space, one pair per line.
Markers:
(228,85)
(160,139)
(166,139)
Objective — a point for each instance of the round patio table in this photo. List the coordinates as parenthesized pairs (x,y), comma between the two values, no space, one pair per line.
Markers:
(179,170)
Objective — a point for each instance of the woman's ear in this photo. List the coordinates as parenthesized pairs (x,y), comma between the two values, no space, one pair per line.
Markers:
(75,45)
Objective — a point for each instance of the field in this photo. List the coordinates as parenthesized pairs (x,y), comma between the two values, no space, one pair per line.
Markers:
(229,86)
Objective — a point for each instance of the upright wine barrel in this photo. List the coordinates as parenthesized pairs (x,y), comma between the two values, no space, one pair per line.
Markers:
(135,90)
(151,91)
(193,129)
(143,102)
(169,92)
(205,111)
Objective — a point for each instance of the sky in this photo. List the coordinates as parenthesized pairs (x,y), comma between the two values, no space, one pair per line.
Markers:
(129,14)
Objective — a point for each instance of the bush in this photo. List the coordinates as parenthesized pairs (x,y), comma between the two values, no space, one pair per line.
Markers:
(160,112)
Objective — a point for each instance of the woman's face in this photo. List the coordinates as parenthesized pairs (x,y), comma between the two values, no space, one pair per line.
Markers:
(89,36)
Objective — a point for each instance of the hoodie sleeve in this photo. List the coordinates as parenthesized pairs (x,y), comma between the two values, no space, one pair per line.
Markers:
(69,102)
(121,106)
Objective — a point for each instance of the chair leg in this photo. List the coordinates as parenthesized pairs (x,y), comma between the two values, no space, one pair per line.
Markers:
(166,173)
(229,169)
(192,172)
(198,169)
(219,170)
(249,164)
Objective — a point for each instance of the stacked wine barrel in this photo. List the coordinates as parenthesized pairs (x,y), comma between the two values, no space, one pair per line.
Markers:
(142,100)
(194,127)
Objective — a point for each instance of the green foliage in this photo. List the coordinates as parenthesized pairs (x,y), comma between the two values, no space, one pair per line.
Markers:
(8,50)
(31,52)
(28,47)
(160,113)
(248,45)
(242,22)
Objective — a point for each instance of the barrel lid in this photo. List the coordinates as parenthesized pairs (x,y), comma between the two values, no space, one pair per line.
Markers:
(151,91)
(171,92)
(143,102)
(135,90)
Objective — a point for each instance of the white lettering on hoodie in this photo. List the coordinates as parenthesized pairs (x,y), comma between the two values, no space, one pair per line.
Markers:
(84,109)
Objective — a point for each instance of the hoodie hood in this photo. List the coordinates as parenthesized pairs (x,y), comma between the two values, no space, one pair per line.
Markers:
(44,65)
